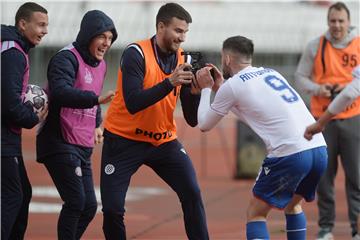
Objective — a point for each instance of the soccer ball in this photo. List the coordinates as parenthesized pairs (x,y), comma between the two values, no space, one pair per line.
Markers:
(35,97)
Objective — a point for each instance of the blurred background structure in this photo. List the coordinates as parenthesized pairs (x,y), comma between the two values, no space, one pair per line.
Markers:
(279,29)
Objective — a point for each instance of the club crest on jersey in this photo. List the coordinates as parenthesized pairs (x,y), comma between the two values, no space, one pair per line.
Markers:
(183,150)
(88,77)
(78,171)
(109,169)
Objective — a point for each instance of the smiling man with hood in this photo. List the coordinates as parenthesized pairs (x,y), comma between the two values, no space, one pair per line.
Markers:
(66,140)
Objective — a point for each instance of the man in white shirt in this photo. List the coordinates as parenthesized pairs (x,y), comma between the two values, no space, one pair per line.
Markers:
(263,99)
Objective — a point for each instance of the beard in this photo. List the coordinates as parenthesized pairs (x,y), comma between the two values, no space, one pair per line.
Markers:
(169,45)
(226,73)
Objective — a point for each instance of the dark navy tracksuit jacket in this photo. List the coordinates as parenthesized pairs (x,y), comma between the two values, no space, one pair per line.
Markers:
(15,185)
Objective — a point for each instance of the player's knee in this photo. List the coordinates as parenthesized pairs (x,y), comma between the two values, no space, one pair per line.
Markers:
(16,200)
(112,207)
(254,215)
(75,204)
(90,211)
(27,194)
(112,218)
(112,213)
(250,214)
(192,193)
(293,208)
(257,210)
(12,200)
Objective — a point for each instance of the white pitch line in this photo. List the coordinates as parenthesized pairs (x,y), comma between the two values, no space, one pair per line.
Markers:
(133,194)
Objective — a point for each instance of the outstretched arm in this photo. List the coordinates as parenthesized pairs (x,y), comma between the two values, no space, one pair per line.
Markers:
(344,99)
(318,126)
(207,118)
(210,115)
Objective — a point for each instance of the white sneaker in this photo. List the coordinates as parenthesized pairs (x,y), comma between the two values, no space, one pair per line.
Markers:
(356,237)
(326,236)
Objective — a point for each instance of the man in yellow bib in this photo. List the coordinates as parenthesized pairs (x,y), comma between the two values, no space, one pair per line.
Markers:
(140,126)
(324,70)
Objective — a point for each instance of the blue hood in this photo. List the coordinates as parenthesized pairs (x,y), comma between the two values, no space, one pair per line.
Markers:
(94,23)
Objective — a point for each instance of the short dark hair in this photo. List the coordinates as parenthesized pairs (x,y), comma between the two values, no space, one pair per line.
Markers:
(26,10)
(170,10)
(239,45)
(339,6)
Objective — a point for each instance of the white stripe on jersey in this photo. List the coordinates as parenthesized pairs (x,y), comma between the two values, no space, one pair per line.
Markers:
(137,48)
(7,45)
